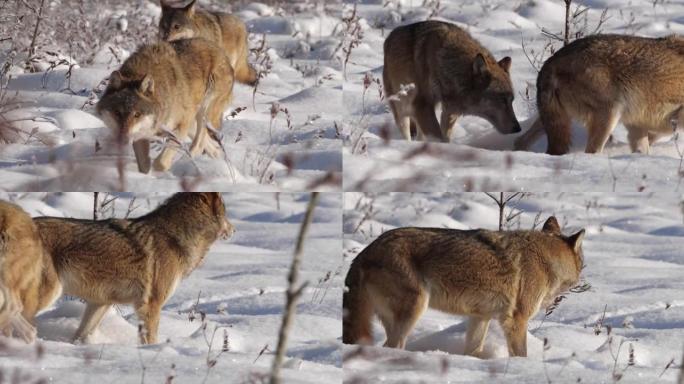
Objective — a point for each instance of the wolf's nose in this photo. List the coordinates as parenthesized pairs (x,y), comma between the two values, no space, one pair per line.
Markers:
(516,128)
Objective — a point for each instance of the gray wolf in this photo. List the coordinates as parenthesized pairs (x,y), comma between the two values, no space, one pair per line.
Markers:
(604,79)
(28,282)
(136,261)
(482,274)
(178,86)
(445,65)
(227,31)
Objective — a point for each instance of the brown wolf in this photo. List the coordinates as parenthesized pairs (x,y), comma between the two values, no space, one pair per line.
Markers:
(446,65)
(228,31)
(174,85)
(136,261)
(28,282)
(478,273)
(604,79)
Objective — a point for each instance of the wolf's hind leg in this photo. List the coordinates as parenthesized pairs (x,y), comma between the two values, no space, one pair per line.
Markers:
(475,336)
(600,127)
(403,317)
(23,328)
(92,317)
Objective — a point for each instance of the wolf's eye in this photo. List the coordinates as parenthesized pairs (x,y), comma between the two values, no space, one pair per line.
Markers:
(136,114)
(176,26)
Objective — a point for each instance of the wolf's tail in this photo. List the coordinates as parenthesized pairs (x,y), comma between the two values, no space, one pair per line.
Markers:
(552,113)
(245,73)
(357,309)
(5,299)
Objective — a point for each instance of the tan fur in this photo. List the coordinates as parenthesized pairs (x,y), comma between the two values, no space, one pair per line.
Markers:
(483,274)
(28,282)
(137,261)
(447,66)
(178,86)
(227,31)
(604,79)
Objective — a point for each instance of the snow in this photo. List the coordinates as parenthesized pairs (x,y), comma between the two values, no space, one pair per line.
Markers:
(634,264)
(72,150)
(479,158)
(241,288)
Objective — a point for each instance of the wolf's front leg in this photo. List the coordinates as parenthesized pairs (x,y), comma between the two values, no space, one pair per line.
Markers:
(515,329)
(201,132)
(92,317)
(141,148)
(148,314)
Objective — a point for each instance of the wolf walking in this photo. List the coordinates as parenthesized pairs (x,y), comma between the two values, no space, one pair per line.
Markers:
(483,274)
(445,65)
(135,261)
(178,86)
(604,79)
(227,31)
(28,282)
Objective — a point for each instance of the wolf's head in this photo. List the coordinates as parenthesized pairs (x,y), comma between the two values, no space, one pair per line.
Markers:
(218,209)
(492,94)
(128,107)
(568,254)
(176,23)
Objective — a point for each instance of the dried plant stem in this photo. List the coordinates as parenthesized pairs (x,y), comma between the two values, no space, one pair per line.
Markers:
(293,293)
(32,47)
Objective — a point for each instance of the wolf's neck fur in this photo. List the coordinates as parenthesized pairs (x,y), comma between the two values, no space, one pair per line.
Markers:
(209,26)
(196,226)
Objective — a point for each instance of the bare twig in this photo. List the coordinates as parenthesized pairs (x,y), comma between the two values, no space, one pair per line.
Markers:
(293,293)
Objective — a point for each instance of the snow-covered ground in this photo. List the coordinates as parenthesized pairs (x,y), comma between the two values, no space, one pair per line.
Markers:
(479,158)
(634,263)
(240,287)
(65,148)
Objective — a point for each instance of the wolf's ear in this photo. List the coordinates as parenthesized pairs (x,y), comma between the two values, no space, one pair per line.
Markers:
(551,226)
(190,8)
(216,202)
(480,66)
(505,63)
(115,80)
(147,85)
(575,240)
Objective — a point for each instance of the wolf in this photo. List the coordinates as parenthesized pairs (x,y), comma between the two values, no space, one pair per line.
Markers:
(227,31)
(478,273)
(136,261)
(601,80)
(28,282)
(445,65)
(179,86)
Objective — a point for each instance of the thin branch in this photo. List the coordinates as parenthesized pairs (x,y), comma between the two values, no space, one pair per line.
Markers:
(292,294)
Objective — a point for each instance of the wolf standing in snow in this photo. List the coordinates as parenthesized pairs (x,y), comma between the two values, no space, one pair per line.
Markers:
(604,79)
(28,282)
(138,261)
(483,274)
(227,31)
(178,85)
(446,65)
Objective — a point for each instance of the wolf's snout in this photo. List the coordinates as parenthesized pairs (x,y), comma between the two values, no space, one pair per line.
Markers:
(227,230)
